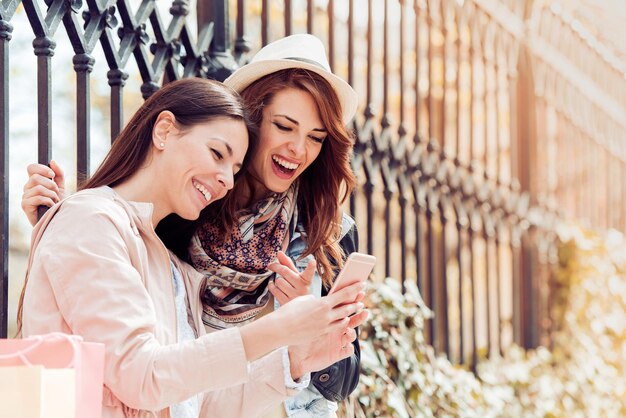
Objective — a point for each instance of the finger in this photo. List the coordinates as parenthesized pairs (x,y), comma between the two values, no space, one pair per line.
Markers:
(278,294)
(347,351)
(286,261)
(345,311)
(31,204)
(285,286)
(42,191)
(348,336)
(40,169)
(39,180)
(59,176)
(347,294)
(284,271)
(307,275)
(359,318)
(339,325)
(360,297)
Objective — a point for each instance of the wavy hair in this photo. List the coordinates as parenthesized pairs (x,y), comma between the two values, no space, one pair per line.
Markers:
(324,185)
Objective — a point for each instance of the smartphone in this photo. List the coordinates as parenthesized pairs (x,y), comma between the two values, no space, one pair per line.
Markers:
(357,268)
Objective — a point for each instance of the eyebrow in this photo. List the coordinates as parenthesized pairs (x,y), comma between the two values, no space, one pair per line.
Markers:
(228,148)
(297,123)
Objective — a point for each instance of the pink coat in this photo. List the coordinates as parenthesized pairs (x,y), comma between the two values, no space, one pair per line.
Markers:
(101,272)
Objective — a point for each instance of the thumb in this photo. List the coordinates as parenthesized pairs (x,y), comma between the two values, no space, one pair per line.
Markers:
(59,176)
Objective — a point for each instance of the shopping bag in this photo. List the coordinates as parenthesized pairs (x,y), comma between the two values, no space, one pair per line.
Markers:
(62,351)
(37,392)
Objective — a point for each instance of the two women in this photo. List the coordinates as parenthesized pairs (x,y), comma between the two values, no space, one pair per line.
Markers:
(287,202)
(98,269)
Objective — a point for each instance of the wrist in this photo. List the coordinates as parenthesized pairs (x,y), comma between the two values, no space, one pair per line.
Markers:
(261,337)
(295,364)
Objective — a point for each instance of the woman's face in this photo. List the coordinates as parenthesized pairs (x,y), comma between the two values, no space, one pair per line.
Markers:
(290,139)
(202,162)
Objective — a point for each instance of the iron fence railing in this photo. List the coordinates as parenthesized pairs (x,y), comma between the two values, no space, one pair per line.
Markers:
(457,189)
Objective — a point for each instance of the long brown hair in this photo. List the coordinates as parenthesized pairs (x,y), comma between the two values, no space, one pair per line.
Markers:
(324,185)
(192,101)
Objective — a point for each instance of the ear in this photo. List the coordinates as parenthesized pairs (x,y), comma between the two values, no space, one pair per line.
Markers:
(164,126)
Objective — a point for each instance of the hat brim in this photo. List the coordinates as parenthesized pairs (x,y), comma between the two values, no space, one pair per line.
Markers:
(253,71)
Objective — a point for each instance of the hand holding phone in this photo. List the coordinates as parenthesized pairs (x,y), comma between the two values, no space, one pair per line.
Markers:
(357,268)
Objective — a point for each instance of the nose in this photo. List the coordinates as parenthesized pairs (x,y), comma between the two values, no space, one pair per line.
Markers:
(226,178)
(297,146)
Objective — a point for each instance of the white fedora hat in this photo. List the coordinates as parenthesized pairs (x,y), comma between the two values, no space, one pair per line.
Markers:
(295,51)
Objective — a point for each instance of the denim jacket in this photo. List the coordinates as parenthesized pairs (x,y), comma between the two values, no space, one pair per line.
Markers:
(336,382)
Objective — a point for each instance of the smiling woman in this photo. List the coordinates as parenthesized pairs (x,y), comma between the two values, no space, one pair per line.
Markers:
(194,166)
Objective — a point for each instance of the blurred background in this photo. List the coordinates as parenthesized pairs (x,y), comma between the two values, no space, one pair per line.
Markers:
(490,148)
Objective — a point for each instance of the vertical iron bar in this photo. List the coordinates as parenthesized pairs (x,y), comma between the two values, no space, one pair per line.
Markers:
(223,63)
(472,60)
(402,134)
(431,99)
(528,286)
(351,74)
(241,19)
(432,259)
(353,203)
(385,123)
(288,20)
(5,36)
(444,57)
(499,292)
(386,64)
(388,194)
(402,42)
(351,42)
(265,21)
(309,15)
(242,46)
(416,7)
(403,201)
(487,240)
(369,189)
(498,178)
(331,32)
(419,249)
(474,296)
(443,299)
(370,55)
(117,80)
(459,257)
(44,50)
(83,65)
(516,287)
(458,93)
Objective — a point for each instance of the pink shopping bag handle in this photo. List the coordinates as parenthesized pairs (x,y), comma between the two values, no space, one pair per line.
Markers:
(39,340)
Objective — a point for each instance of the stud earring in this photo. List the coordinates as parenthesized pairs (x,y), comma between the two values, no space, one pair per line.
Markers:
(162,145)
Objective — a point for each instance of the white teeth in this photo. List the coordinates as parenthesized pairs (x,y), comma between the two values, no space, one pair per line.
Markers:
(203,190)
(286,164)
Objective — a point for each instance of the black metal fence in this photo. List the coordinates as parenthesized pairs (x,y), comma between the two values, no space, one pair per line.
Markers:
(448,147)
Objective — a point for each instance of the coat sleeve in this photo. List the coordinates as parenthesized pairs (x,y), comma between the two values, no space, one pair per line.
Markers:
(84,254)
(339,380)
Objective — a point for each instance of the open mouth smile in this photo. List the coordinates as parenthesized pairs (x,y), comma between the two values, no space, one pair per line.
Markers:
(284,168)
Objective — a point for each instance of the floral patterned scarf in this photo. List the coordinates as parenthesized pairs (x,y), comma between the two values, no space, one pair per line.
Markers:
(236,268)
